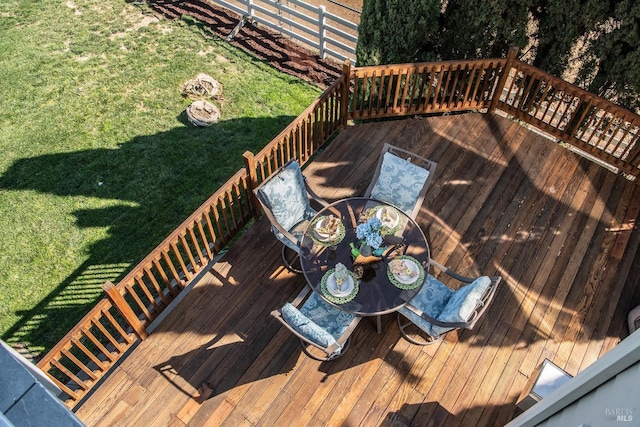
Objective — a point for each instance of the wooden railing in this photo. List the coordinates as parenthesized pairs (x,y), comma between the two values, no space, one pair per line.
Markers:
(103,336)
(576,117)
(302,138)
(411,89)
(598,127)
(87,352)
(119,321)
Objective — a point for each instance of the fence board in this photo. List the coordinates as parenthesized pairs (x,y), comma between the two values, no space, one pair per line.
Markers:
(311,25)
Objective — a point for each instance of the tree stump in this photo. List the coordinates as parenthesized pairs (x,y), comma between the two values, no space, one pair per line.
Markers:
(202,86)
(202,113)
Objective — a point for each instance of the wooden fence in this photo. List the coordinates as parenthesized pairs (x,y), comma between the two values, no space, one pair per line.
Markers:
(597,127)
(576,117)
(313,26)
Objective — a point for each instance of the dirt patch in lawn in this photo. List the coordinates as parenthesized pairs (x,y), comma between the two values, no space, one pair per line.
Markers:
(279,51)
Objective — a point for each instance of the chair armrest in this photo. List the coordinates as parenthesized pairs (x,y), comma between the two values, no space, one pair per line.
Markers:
(278,315)
(450,272)
(313,194)
(486,299)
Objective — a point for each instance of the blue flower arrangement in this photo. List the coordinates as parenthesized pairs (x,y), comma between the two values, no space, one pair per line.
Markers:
(370,232)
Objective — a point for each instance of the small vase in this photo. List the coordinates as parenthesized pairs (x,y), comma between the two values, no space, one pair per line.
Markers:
(366,250)
(379,251)
(354,251)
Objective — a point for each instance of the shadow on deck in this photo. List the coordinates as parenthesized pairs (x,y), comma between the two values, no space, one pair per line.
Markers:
(559,229)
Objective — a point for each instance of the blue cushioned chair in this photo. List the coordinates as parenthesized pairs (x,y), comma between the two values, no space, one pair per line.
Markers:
(284,197)
(437,309)
(318,325)
(402,179)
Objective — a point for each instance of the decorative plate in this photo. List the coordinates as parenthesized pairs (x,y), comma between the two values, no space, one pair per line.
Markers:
(325,285)
(389,216)
(340,291)
(325,237)
(405,272)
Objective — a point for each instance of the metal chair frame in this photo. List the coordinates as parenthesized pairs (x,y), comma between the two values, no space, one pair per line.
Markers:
(274,223)
(413,158)
(331,352)
(480,309)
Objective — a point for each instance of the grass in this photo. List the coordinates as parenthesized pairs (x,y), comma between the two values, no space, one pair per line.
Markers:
(98,161)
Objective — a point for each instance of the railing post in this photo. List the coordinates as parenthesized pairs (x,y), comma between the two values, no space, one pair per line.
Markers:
(344,104)
(279,7)
(322,22)
(511,57)
(250,10)
(250,167)
(118,301)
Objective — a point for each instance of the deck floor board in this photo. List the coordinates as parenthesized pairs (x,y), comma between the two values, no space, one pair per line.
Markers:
(504,200)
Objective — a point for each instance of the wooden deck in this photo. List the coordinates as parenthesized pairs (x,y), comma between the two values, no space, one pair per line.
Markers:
(559,229)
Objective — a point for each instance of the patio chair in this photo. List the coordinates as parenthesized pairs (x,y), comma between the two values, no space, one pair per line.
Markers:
(437,309)
(318,324)
(284,198)
(402,179)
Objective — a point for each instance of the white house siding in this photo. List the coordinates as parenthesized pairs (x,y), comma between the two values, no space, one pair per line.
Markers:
(606,393)
(615,403)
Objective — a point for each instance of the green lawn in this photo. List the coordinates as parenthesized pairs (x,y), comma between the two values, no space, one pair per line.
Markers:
(98,161)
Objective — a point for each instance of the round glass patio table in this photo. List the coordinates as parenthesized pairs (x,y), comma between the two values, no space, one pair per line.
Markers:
(377,293)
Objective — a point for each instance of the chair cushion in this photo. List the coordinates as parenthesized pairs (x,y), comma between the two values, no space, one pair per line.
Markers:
(328,317)
(399,182)
(431,300)
(286,195)
(306,327)
(464,302)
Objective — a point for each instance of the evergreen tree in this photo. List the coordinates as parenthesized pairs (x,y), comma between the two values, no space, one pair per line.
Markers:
(397,31)
(561,23)
(613,66)
(483,29)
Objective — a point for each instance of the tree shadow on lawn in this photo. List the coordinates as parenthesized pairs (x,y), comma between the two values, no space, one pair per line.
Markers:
(160,180)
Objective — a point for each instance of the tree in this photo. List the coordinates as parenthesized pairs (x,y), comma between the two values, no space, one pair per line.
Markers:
(397,31)
(612,67)
(483,29)
(561,24)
